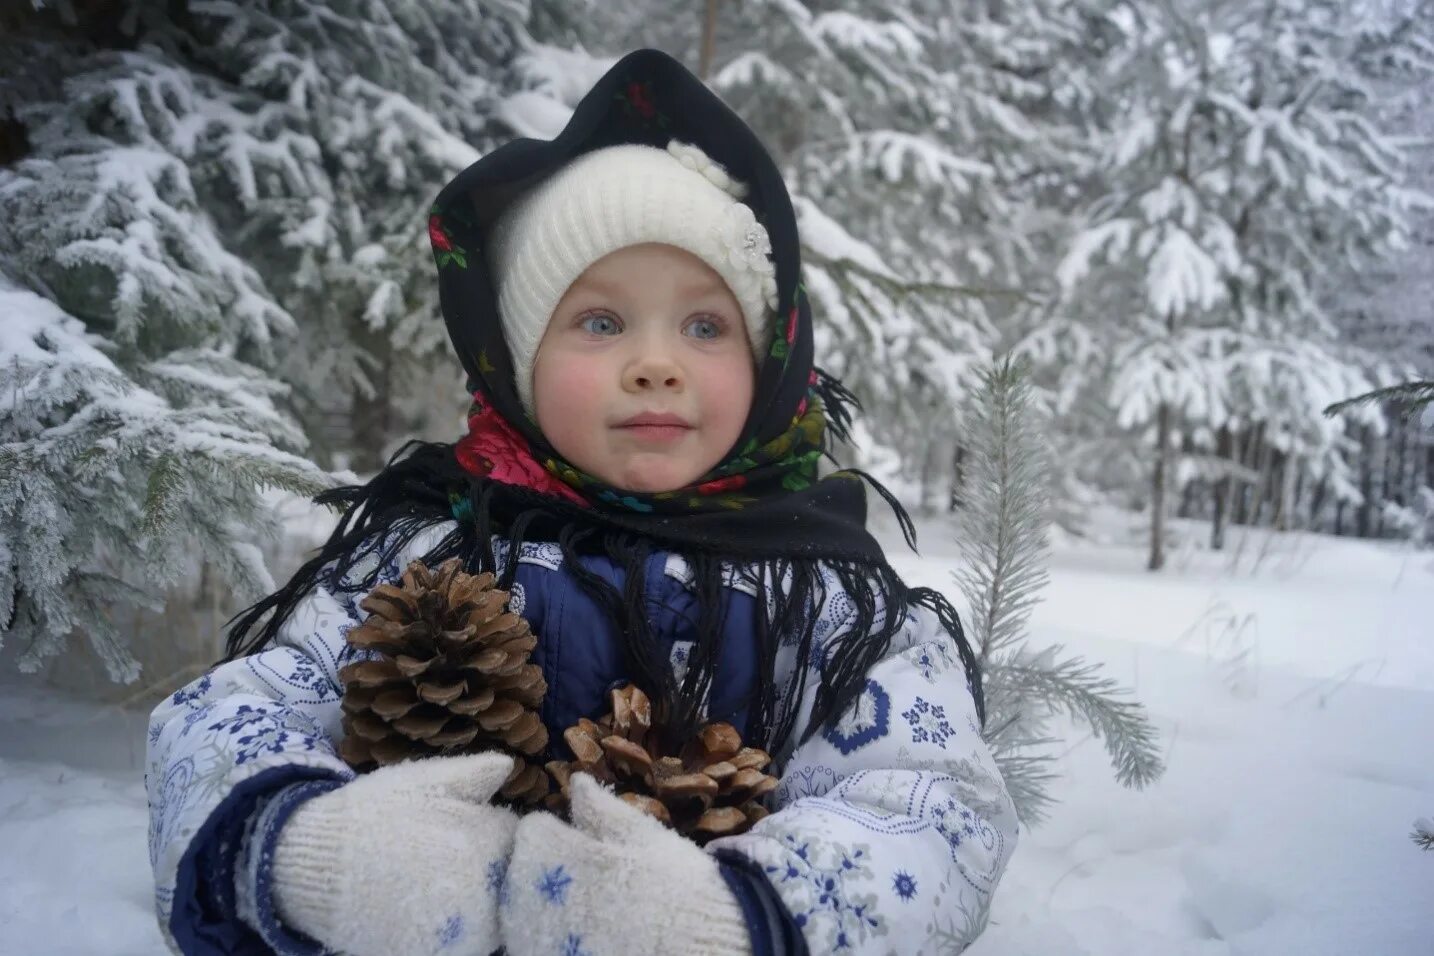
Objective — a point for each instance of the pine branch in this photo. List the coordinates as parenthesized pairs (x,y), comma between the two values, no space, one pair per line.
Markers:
(1423,835)
(1411,396)
(1072,686)
(1003,526)
(1004,541)
(899,289)
(1028,779)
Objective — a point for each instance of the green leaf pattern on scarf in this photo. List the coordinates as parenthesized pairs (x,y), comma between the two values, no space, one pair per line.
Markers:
(790,460)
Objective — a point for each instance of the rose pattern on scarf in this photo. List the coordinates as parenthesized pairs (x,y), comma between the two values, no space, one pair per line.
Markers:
(445,250)
(718,485)
(493,449)
(640,104)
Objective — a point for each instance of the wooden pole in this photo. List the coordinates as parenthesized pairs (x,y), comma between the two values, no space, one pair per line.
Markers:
(709,40)
(1157,491)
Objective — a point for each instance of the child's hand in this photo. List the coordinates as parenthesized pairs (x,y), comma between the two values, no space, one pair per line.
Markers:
(407,860)
(617,881)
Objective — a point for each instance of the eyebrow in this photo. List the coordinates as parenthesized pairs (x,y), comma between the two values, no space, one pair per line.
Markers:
(704,286)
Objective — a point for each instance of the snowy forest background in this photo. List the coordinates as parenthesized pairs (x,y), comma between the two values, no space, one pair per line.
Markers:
(1200,221)
(1193,225)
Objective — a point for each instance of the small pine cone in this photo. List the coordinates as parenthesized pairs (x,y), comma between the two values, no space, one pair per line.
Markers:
(450,672)
(711,789)
(526,787)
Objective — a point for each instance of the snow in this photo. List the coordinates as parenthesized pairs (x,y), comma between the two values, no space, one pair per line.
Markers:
(391,112)
(850,31)
(1294,705)
(1115,233)
(534,114)
(38,332)
(825,237)
(753,67)
(1291,679)
(893,150)
(564,75)
(554,81)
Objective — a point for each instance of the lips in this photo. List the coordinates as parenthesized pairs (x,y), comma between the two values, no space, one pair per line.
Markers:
(655,426)
(660,419)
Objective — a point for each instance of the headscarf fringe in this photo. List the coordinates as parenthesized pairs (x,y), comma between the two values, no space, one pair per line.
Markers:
(412,494)
(840,403)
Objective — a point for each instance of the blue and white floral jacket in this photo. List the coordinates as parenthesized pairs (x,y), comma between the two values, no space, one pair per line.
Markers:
(890,834)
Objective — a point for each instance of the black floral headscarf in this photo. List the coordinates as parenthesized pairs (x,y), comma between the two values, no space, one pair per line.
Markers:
(763,506)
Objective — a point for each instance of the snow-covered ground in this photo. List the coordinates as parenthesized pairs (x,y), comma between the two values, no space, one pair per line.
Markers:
(1295,704)
(1296,710)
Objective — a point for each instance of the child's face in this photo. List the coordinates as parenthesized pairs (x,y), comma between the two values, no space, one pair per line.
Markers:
(646,330)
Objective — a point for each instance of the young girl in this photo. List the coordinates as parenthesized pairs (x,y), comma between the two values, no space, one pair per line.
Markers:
(641,473)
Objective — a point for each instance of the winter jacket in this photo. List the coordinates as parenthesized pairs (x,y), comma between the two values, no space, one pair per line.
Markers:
(890,831)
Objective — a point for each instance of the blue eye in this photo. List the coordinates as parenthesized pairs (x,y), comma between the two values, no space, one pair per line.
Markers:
(704,329)
(600,323)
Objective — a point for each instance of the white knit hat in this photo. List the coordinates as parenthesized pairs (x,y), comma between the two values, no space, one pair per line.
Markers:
(616,197)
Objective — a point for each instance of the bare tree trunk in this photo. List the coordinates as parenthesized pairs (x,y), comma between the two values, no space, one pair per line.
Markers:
(1366,484)
(1249,455)
(958,476)
(1412,455)
(709,40)
(1157,489)
(1290,496)
(1403,488)
(1317,503)
(1224,445)
(1188,495)
(1422,466)
(1266,481)
(373,417)
(928,477)
(1386,467)
(1283,490)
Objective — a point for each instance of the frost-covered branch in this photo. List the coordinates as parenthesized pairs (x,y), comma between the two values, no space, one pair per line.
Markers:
(1003,537)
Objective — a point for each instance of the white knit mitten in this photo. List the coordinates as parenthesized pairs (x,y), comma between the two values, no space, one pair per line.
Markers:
(408,859)
(616,881)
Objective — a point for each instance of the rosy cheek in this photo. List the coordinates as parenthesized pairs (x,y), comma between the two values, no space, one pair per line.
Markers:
(728,390)
(568,399)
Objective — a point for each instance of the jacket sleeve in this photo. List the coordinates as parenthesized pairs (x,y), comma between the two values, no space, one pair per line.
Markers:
(892,829)
(238,747)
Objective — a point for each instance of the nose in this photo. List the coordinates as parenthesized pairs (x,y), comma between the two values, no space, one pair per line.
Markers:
(652,372)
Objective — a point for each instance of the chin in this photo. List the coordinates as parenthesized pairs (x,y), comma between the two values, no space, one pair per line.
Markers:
(652,481)
(654,487)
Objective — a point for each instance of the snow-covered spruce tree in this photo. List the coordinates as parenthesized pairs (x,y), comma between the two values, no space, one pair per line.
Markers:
(138,412)
(1241,162)
(1002,533)
(179,182)
(120,470)
(316,135)
(364,109)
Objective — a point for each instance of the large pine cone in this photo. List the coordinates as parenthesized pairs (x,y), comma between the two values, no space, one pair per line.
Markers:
(711,789)
(451,675)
